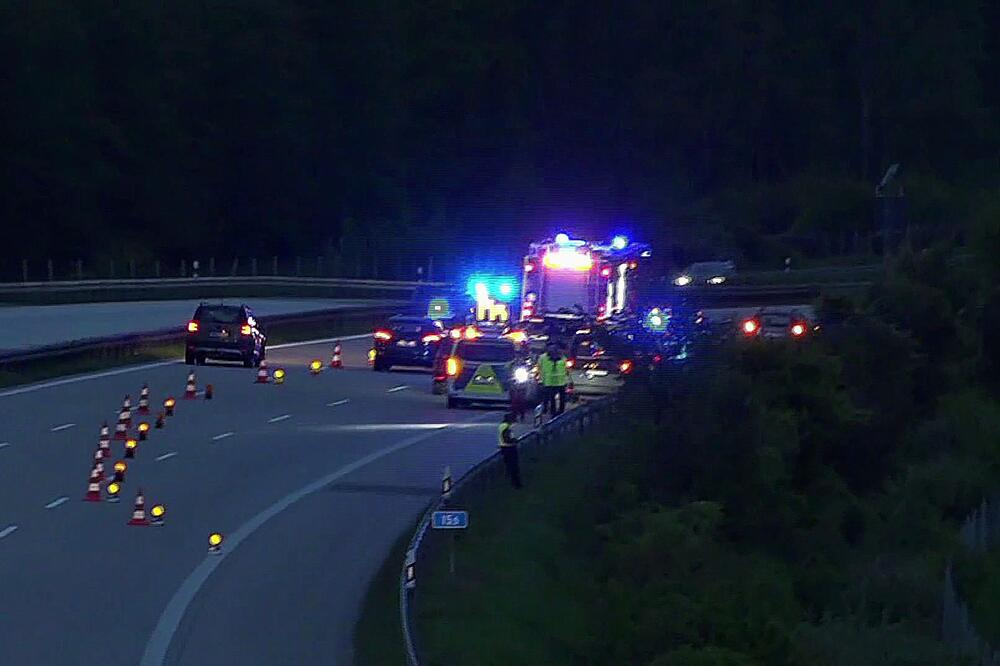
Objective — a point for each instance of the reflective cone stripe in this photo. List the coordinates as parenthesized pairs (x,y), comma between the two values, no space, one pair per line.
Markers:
(139,511)
(190,389)
(93,490)
(120,431)
(144,400)
(336,361)
(262,374)
(126,403)
(127,416)
(105,447)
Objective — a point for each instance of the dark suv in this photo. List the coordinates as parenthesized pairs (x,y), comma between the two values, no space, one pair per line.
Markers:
(225,332)
(409,341)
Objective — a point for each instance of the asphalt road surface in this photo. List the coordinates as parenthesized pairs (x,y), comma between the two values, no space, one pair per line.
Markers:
(310,481)
(35,325)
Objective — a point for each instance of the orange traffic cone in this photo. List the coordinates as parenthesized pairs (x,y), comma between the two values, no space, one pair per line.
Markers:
(190,390)
(336,360)
(262,373)
(144,400)
(121,428)
(139,511)
(99,464)
(93,488)
(105,441)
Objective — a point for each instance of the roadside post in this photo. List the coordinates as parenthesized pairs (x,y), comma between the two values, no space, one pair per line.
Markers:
(453,521)
(446,484)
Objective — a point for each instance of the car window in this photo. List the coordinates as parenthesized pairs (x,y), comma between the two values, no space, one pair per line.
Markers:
(219,314)
(485,352)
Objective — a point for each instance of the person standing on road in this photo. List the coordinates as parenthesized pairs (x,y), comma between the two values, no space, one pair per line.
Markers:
(555,377)
(508,450)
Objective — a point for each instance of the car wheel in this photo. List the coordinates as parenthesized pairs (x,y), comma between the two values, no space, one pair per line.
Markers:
(199,359)
(188,358)
(438,388)
(453,403)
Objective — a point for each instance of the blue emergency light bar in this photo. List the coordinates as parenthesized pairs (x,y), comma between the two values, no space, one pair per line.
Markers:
(497,287)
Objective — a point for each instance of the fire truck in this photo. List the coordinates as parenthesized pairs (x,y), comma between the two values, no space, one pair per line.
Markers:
(592,280)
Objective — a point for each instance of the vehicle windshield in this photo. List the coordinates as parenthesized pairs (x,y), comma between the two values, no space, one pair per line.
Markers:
(219,314)
(485,352)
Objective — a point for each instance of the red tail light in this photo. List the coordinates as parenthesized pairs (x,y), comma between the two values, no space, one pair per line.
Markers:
(657,358)
(798,329)
(570,362)
(383,335)
(245,329)
(625,367)
(750,327)
(455,333)
(192,327)
(606,271)
(431,337)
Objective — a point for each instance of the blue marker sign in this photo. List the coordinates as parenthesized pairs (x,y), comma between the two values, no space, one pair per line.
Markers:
(450,520)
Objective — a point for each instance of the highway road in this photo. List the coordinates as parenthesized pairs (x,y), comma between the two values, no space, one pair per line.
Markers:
(311,482)
(35,325)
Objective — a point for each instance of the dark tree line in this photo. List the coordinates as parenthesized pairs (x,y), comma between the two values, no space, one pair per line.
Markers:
(387,127)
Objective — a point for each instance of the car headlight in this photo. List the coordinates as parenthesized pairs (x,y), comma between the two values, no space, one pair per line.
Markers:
(683,281)
(521,375)
(718,279)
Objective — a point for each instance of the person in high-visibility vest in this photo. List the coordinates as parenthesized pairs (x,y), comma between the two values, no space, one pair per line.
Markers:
(508,450)
(555,377)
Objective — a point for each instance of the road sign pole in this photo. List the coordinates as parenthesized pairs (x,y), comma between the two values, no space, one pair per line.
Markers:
(451,558)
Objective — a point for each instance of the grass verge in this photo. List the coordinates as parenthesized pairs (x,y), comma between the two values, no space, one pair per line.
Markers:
(521,591)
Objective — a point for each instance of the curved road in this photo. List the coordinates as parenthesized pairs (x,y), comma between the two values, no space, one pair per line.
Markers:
(311,482)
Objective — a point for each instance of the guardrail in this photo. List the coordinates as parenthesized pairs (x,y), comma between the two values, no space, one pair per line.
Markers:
(131,344)
(481,476)
(174,283)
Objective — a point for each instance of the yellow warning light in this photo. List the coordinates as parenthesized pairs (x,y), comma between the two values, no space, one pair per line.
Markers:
(131,444)
(113,488)
(169,402)
(279,375)
(143,427)
(158,511)
(214,539)
(316,365)
(120,466)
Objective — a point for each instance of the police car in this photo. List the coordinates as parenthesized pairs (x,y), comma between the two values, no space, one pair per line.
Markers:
(486,369)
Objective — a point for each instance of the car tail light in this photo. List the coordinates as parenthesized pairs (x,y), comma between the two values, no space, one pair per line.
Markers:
(455,333)
(750,327)
(451,366)
(192,326)
(606,271)
(471,333)
(570,362)
(798,329)
(440,378)
(625,367)
(383,335)
(245,329)
(431,337)
(657,358)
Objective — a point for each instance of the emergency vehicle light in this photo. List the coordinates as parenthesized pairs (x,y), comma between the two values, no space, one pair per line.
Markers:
(568,259)
(451,366)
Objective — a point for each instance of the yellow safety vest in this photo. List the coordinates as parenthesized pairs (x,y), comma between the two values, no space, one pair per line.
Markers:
(553,370)
(501,431)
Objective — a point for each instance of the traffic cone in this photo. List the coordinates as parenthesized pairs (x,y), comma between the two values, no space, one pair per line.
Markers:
(93,488)
(262,373)
(160,419)
(144,400)
(121,428)
(190,389)
(105,440)
(139,510)
(336,361)
(208,392)
(99,464)
(127,403)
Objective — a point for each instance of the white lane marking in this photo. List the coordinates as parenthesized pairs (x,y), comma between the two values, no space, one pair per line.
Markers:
(223,436)
(56,502)
(279,418)
(376,427)
(4,445)
(170,619)
(165,456)
(64,426)
(402,387)
(338,403)
(149,366)
(7,531)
